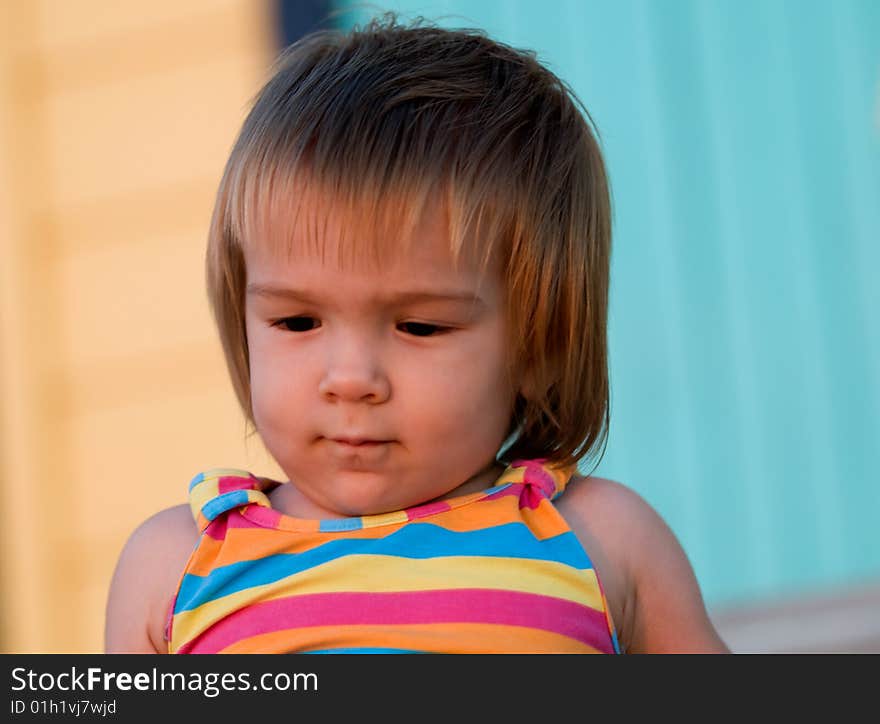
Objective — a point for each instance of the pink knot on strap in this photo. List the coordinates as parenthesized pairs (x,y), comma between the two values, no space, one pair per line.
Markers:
(538,483)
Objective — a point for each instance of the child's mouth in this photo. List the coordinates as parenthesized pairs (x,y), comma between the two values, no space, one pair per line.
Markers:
(359,452)
(357,442)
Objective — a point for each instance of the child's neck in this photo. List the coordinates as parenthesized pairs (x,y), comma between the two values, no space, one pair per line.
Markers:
(288,500)
(479,482)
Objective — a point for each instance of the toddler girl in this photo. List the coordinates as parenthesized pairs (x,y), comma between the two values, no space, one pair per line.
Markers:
(408,263)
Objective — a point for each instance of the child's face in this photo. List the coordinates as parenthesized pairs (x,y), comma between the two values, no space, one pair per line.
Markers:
(424,376)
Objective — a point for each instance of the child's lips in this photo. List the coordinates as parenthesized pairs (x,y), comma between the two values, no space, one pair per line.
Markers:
(358,442)
(359,452)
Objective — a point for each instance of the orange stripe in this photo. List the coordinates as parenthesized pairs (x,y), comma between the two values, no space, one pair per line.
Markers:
(542,523)
(253,543)
(499,511)
(444,638)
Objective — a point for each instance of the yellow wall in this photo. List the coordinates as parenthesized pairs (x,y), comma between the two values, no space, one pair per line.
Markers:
(115,122)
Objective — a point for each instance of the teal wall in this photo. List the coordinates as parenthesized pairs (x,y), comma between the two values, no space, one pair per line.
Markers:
(743,141)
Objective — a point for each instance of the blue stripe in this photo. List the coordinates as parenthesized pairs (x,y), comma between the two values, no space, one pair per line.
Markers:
(332,525)
(615,642)
(415,541)
(196,480)
(222,503)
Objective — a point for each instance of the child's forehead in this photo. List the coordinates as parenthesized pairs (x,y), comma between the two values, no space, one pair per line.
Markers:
(314,228)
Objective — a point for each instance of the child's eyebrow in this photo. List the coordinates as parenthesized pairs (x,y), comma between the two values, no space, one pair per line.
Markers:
(403,297)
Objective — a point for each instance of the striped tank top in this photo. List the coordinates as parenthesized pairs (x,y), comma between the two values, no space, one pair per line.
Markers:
(497,571)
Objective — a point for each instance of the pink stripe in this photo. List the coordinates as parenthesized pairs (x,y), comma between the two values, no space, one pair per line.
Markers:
(264,517)
(528,496)
(441,506)
(512,489)
(235,519)
(217,528)
(540,478)
(531,497)
(473,605)
(228,483)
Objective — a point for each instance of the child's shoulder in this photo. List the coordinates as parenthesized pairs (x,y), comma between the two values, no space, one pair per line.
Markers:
(614,512)
(145,579)
(590,506)
(652,592)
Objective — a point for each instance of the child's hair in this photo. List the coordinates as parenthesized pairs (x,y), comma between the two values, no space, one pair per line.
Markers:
(371,125)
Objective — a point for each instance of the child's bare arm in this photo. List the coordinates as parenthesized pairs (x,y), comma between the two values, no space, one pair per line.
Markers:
(669,615)
(144,581)
(652,592)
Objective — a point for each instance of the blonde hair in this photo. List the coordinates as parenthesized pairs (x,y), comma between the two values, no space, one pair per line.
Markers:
(387,118)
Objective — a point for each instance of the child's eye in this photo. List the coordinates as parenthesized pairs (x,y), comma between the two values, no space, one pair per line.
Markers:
(306,324)
(295,324)
(420,329)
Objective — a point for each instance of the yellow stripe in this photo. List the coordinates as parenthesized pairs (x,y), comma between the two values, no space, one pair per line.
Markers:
(370,521)
(201,494)
(258,497)
(377,574)
(511,475)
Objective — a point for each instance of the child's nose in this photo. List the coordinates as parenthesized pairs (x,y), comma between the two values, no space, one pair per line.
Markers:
(354,372)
